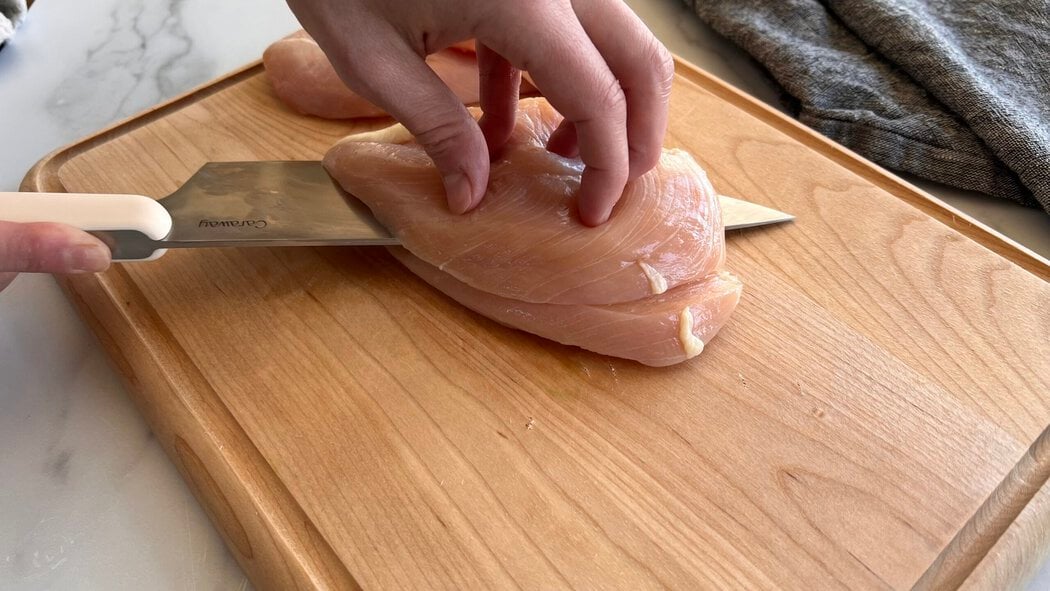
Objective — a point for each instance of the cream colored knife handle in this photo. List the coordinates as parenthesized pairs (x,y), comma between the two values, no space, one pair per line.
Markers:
(109,216)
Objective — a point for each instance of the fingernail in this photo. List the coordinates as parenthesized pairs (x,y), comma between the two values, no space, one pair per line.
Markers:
(457,189)
(86,258)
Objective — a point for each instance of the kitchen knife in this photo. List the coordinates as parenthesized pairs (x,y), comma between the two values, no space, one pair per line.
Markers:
(277,203)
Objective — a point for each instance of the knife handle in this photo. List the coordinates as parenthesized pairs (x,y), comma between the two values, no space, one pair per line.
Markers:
(112,218)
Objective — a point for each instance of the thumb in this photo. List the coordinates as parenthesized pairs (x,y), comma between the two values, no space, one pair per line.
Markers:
(50,248)
(398,80)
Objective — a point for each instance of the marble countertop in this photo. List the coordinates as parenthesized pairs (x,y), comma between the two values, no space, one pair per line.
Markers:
(89,500)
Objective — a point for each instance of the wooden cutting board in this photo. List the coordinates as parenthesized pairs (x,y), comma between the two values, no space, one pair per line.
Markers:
(345,425)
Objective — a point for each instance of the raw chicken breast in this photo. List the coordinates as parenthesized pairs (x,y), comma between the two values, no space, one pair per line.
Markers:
(648,285)
(524,241)
(304,79)
(659,330)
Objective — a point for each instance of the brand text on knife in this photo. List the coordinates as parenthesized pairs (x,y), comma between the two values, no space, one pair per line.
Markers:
(260,224)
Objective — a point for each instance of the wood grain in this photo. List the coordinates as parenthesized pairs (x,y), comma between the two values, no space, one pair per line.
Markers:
(1021,550)
(275,542)
(993,518)
(883,375)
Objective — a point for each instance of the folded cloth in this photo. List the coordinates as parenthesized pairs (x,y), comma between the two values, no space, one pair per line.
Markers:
(14,10)
(11,14)
(954,91)
(7,28)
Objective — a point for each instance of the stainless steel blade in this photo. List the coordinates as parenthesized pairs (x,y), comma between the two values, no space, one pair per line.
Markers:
(738,214)
(296,203)
(289,203)
(263,203)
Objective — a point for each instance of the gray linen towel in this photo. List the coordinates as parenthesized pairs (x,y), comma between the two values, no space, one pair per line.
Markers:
(956,91)
(11,13)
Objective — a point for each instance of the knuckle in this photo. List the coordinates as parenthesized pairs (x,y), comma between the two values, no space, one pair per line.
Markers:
(23,253)
(611,99)
(643,158)
(550,9)
(38,247)
(29,247)
(660,56)
(446,136)
(661,63)
(665,68)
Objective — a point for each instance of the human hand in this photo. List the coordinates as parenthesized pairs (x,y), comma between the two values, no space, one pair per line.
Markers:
(594,60)
(48,248)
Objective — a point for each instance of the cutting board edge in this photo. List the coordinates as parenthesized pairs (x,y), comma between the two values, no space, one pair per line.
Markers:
(199,459)
(1014,509)
(1019,553)
(883,178)
(212,449)
(93,296)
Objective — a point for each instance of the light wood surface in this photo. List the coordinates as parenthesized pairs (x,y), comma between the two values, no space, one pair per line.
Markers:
(1020,552)
(1000,510)
(346,425)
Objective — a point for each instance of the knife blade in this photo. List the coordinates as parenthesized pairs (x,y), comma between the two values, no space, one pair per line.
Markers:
(240,204)
(738,214)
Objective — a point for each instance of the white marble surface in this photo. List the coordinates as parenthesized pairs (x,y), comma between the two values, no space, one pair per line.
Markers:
(88,500)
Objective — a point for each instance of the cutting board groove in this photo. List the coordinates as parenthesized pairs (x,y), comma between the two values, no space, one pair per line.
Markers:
(863,421)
